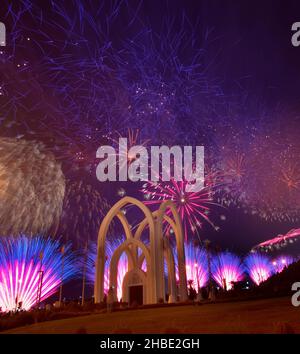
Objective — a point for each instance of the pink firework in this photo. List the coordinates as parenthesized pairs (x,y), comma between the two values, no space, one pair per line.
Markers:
(193,207)
(196,266)
(259,267)
(290,176)
(280,240)
(227,269)
(122,270)
(282,262)
(31,270)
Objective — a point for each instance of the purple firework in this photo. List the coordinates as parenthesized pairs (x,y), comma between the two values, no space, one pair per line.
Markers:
(259,267)
(227,269)
(31,270)
(282,262)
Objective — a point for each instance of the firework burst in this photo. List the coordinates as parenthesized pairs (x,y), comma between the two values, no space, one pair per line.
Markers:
(32,188)
(226,269)
(259,267)
(85,84)
(258,182)
(282,262)
(31,270)
(196,265)
(193,207)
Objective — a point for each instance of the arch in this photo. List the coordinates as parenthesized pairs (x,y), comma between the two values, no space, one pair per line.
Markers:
(100,260)
(168,255)
(158,250)
(113,267)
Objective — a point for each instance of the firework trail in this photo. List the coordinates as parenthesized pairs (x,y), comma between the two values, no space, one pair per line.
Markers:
(226,269)
(89,84)
(32,188)
(259,267)
(29,264)
(38,99)
(161,82)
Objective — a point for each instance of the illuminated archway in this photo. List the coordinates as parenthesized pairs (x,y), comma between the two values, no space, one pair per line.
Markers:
(154,253)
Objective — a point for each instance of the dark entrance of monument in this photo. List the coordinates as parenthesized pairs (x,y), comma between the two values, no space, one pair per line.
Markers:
(136,294)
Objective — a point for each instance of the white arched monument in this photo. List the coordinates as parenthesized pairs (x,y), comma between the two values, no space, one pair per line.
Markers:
(152,281)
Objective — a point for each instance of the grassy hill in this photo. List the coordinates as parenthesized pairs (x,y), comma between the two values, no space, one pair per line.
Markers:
(275,315)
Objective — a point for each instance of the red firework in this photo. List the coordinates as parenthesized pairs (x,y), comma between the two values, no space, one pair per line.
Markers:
(290,176)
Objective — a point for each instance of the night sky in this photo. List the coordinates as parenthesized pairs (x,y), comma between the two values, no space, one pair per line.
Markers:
(223,74)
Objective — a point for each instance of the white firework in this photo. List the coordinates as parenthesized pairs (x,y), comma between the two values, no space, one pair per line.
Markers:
(32,188)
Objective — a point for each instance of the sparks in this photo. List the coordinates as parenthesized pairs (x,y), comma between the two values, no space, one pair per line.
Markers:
(31,270)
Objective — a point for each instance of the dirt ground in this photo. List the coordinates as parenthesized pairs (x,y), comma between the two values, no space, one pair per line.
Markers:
(259,316)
